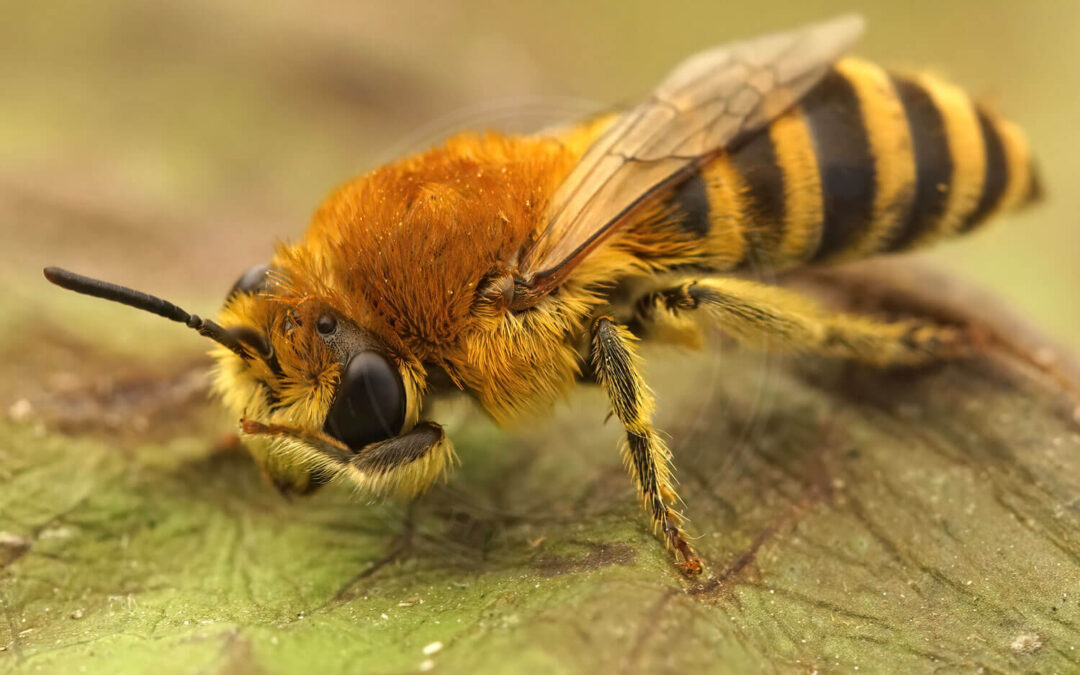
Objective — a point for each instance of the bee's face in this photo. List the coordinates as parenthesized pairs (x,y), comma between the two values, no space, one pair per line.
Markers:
(312,367)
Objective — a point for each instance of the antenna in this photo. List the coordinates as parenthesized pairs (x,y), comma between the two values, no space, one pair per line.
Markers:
(149,303)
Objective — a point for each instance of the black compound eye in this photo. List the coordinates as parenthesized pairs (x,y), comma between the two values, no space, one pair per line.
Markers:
(254,279)
(370,402)
(326,324)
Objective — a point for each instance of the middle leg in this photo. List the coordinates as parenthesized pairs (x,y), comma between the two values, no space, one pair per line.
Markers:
(616,367)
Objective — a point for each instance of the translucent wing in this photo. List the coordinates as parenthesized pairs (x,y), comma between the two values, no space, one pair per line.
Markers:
(708,102)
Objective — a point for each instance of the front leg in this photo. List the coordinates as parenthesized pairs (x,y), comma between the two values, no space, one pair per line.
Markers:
(616,367)
(403,466)
(289,479)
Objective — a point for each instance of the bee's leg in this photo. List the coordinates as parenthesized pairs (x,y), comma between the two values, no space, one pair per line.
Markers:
(403,466)
(291,481)
(764,316)
(616,366)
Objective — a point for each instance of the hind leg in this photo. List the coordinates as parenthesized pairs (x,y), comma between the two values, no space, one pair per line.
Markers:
(767,317)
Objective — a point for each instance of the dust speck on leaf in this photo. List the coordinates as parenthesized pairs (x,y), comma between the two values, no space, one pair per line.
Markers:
(432,648)
(1027,643)
(60,532)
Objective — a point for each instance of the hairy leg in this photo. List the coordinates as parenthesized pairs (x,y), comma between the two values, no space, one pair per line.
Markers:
(404,466)
(291,480)
(764,316)
(616,367)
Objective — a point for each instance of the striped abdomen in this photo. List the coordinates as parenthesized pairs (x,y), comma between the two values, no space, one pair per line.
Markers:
(869,162)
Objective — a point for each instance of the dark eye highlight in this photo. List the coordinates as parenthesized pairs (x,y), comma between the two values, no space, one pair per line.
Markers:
(370,402)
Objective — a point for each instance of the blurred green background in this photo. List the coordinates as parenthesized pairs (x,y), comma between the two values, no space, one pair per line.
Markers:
(167,145)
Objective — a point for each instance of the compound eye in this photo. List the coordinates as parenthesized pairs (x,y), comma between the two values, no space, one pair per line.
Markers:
(326,324)
(254,279)
(370,402)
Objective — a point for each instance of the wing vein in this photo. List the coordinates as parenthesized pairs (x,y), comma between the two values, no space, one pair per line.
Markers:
(706,104)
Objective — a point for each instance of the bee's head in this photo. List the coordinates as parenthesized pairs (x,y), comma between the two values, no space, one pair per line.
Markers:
(293,363)
(310,366)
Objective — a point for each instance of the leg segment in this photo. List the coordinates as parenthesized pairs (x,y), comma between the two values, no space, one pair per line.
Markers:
(615,364)
(291,481)
(404,466)
(768,317)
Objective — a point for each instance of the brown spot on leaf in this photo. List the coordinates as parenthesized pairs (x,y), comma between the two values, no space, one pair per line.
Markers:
(601,555)
(75,388)
(12,547)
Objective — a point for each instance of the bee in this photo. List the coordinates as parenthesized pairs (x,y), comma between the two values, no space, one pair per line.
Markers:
(513,268)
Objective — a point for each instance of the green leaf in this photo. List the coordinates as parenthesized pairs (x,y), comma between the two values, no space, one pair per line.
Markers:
(850,519)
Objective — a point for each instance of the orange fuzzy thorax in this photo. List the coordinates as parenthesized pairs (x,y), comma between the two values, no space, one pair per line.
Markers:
(403,248)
